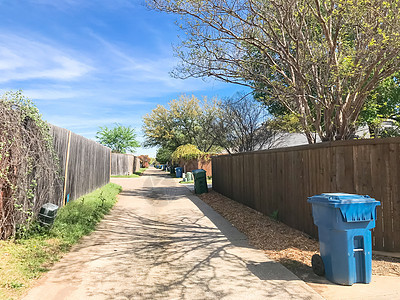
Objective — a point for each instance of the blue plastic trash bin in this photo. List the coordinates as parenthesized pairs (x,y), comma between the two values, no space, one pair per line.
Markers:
(178,172)
(344,228)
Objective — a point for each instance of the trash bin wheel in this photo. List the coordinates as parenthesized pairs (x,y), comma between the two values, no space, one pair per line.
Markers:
(318,265)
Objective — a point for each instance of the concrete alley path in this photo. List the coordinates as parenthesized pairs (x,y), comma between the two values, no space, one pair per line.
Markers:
(162,242)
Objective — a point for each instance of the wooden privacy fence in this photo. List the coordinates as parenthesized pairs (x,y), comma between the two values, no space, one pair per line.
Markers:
(84,163)
(84,166)
(194,164)
(282,180)
(124,164)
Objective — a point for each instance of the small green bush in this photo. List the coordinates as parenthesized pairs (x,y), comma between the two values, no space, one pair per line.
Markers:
(186,152)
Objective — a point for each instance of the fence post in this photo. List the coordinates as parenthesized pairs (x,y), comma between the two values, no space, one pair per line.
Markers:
(66,168)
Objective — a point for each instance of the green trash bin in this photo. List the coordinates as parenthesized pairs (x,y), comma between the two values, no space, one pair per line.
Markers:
(172,170)
(200,181)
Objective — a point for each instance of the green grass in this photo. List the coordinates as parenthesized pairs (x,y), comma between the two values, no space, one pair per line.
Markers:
(141,171)
(24,260)
(186,182)
(191,182)
(134,175)
(125,176)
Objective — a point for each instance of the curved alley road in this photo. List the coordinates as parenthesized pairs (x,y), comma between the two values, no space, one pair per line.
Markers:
(162,242)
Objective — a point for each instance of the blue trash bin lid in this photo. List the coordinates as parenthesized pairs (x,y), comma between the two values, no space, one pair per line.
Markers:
(340,198)
(354,208)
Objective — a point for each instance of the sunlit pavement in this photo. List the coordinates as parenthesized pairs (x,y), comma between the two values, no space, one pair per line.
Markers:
(162,242)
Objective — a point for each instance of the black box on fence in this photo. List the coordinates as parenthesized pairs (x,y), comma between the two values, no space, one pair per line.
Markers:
(47,214)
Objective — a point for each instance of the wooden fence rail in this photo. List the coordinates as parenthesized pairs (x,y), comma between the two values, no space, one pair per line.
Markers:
(282,180)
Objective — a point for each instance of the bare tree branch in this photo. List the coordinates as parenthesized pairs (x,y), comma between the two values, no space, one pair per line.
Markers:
(320,58)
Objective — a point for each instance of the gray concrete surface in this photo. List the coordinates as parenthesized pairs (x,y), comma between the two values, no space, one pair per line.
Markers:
(162,242)
(380,288)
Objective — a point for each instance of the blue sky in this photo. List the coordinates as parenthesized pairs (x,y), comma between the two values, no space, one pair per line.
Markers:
(93,63)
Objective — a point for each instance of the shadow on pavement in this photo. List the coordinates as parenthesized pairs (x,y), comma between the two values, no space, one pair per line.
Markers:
(176,254)
(160,196)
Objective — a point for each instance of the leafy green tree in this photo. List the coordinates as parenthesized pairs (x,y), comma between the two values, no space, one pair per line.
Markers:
(184,121)
(119,138)
(319,58)
(163,155)
(383,105)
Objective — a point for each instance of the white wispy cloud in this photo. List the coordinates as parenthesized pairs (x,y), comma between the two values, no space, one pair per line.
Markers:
(22,58)
(81,122)
(54,93)
(148,74)
(89,126)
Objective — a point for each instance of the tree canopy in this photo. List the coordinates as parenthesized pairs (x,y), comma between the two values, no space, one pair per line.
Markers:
(383,105)
(236,124)
(319,58)
(184,121)
(119,138)
(163,155)
(241,125)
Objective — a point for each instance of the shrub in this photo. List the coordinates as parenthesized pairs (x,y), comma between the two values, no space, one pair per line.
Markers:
(186,152)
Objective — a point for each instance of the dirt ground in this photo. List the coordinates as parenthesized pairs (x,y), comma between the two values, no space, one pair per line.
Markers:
(282,243)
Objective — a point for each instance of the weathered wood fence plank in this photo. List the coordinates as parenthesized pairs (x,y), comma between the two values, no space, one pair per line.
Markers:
(124,164)
(283,179)
(88,165)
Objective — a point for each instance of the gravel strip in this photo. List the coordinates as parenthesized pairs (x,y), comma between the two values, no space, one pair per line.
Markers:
(280,242)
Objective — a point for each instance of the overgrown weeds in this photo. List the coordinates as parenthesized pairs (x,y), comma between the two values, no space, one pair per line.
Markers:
(24,259)
(29,167)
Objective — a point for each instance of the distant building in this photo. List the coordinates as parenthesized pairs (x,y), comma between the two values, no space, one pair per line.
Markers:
(286,139)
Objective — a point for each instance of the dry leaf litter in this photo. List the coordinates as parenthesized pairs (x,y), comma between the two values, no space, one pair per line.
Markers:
(280,242)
